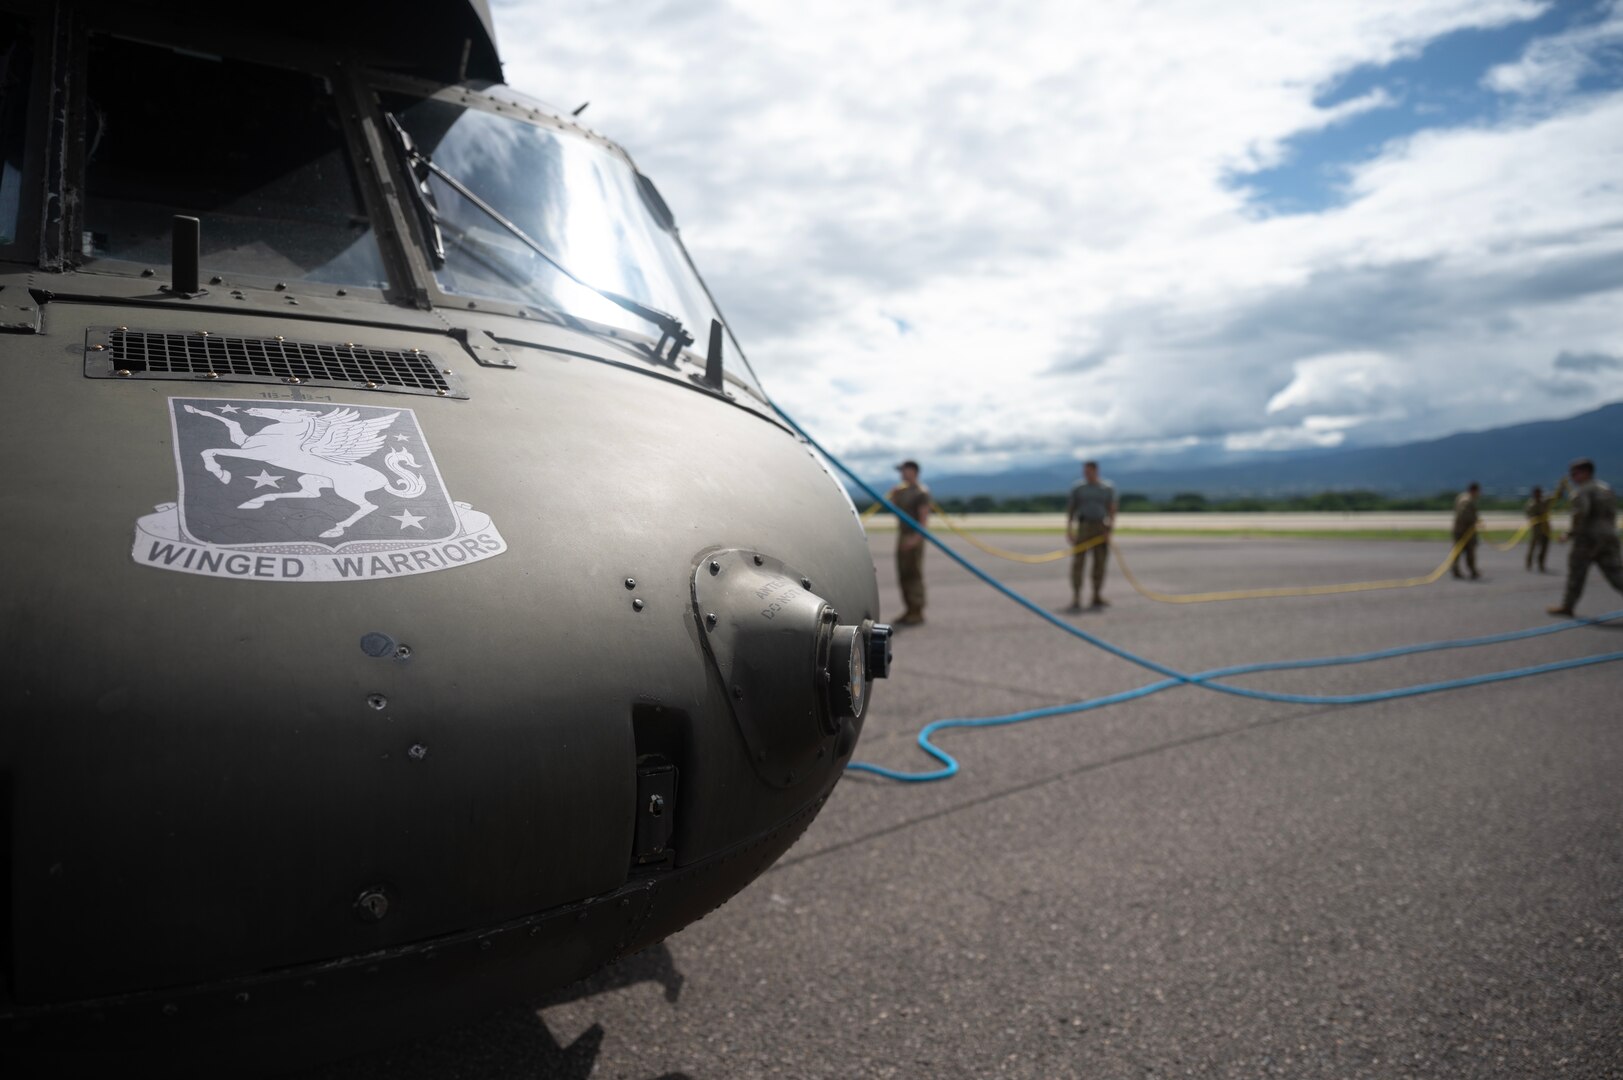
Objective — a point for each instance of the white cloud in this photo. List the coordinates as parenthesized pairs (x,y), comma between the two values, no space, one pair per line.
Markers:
(1341,383)
(1555,65)
(1314,431)
(1044,200)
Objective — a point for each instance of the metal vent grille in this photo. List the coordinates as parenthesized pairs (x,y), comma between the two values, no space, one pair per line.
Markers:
(144,354)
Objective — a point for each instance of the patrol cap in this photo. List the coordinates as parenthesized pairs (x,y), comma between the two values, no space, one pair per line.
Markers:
(1581,463)
(909,464)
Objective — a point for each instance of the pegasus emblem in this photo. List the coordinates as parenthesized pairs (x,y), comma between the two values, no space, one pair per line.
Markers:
(326,449)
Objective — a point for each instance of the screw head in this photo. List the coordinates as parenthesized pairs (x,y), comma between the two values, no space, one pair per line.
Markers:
(403,652)
(759,560)
(631,583)
(377,701)
(715,567)
(710,619)
(122,373)
(372,905)
(417,752)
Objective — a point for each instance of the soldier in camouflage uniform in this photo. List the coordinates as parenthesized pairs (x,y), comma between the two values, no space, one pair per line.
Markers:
(1593,534)
(1090,514)
(1466,521)
(913,498)
(1538,528)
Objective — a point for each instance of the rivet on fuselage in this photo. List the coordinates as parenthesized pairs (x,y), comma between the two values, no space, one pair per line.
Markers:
(211,374)
(759,560)
(715,567)
(636,604)
(631,583)
(710,619)
(377,701)
(805,583)
(372,905)
(122,373)
(97,348)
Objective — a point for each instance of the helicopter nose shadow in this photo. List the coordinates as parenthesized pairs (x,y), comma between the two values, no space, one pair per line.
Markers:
(517,1044)
(654,964)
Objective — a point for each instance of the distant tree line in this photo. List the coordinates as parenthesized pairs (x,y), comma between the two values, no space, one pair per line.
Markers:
(1195,502)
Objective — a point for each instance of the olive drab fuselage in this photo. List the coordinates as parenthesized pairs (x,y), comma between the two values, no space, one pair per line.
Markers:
(393,609)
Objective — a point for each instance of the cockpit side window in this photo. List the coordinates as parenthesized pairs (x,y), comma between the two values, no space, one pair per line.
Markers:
(254,151)
(16,68)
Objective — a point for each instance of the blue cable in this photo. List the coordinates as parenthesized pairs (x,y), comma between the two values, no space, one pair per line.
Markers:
(951,764)
(1174,677)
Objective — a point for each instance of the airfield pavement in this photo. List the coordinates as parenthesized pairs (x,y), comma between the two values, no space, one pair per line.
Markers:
(1187,884)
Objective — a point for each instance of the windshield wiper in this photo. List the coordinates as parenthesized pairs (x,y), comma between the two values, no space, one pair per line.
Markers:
(670,327)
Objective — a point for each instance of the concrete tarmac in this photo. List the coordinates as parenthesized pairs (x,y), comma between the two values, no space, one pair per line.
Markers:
(1190,884)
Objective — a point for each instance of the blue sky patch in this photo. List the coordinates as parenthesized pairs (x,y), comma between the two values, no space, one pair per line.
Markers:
(1441,87)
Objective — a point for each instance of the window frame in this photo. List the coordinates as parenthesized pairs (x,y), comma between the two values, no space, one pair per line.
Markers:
(41,23)
(285,54)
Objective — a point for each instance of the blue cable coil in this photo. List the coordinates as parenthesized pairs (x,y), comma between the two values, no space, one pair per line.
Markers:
(1205,680)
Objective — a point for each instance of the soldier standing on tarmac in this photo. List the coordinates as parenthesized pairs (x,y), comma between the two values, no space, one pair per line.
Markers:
(1091,514)
(1465,528)
(1538,533)
(1593,534)
(912,498)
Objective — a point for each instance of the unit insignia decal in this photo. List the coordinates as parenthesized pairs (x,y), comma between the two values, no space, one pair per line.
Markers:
(307,492)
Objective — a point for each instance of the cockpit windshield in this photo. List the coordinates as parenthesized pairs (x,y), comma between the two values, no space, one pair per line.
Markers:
(254,151)
(595,217)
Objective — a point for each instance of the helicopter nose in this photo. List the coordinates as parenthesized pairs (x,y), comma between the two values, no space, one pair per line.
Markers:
(797,675)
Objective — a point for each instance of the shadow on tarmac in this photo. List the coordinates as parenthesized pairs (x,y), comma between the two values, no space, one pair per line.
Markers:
(516,1044)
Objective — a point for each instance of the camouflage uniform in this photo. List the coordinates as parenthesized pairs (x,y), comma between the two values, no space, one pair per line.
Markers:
(1465,522)
(913,499)
(1538,533)
(1594,539)
(1090,507)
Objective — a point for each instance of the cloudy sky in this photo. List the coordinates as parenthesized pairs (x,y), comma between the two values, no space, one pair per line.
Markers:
(985,235)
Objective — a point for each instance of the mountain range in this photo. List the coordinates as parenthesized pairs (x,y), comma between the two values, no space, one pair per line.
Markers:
(1505,460)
